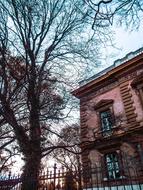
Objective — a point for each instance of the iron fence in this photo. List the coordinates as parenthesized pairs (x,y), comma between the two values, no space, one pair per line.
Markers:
(91,178)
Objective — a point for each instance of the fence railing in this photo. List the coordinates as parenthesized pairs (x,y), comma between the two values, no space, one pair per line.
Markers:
(91,178)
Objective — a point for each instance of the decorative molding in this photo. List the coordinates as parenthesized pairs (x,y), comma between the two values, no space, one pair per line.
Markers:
(137,81)
(128,76)
(102,89)
(103,103)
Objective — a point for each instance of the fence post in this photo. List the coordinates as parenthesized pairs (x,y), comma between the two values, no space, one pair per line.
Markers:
(55,167)
(79,173)
(9,175)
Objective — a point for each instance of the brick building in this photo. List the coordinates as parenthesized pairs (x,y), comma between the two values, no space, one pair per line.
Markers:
(111,115)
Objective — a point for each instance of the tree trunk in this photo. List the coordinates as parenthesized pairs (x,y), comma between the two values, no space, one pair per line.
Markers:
(33,153)
(31,171)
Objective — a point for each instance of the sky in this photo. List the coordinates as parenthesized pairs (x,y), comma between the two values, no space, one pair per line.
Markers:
(129,41)
(126,41)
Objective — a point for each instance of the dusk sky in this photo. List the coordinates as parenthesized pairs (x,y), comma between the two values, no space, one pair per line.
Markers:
(126,41)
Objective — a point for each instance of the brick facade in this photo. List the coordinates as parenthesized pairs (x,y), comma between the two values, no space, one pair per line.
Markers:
(120,91)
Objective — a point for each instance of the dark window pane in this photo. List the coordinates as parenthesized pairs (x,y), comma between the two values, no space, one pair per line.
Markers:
(112,165)
(106,121)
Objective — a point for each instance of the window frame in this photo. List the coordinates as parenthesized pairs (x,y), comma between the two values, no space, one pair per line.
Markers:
(102,106)
(137,84)
(103,130)
(140,90)
(114,170)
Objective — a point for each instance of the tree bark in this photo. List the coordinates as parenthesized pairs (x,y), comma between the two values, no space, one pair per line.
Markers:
(31,171)
(33,153)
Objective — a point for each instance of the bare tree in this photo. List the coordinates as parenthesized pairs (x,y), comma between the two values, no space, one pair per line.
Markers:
(105,12)
(70,137)
(6,160)
(6,151)
(39,39)
(71,158)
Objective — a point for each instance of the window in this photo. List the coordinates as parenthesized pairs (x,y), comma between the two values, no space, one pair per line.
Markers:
(141,94)
(112,165)
(137,83)
(106,122)
(104,110)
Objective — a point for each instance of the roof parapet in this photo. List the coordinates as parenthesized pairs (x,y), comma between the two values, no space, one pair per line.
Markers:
(128,57)
(116,63)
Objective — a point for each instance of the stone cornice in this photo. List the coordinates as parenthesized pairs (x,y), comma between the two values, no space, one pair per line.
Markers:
(116,75)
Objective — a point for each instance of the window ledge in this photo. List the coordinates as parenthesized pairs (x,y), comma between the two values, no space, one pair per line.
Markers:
(121,177)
